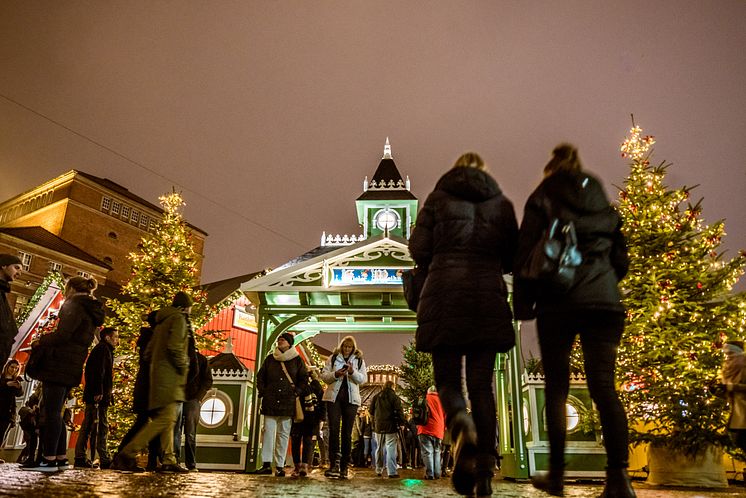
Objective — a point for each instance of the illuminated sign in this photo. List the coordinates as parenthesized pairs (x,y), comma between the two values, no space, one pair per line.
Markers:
(243,320)
(366,276)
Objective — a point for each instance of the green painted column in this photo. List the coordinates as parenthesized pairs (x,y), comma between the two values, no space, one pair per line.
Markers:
(255,428)
(514,464)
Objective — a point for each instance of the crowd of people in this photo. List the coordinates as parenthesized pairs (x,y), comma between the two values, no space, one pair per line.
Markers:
(466,237)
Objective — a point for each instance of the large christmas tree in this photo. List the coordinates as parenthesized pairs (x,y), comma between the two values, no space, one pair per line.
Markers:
(680,309)
(165,264)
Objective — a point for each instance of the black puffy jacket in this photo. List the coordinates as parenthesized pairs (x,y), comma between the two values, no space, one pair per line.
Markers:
(466,236)
(98,373)
(67,347)
(577,197)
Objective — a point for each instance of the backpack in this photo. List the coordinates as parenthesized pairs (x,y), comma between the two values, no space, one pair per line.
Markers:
(555,257)
(420,411)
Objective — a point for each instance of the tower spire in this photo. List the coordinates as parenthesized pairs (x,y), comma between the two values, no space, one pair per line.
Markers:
(387,150)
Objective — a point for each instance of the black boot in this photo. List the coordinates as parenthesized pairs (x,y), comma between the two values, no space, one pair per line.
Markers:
(618,485)
(464,435)
(483,487)
(265,469)
(551,483)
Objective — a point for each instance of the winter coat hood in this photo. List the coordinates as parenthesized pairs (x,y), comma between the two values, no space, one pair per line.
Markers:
(91,306)
(165,313)
(469,184)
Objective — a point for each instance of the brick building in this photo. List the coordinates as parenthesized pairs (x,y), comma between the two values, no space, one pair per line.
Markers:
(79,224)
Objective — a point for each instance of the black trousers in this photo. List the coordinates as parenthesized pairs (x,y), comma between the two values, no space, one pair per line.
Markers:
(600,333)
(340,413)
(480,367)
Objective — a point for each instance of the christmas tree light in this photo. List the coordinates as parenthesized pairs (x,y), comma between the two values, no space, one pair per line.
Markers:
(165,264)
(680,308)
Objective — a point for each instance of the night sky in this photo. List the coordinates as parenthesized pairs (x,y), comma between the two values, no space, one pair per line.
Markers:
(268,115)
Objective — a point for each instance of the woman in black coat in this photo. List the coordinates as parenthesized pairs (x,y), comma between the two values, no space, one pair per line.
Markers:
(466,238)
(591,307)
(280,379)
(302,433)
(65,351)
(10,389)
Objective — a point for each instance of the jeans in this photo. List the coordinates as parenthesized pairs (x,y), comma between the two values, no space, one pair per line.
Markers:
(386,454)
(177,430)
(275,440)
(87,431)
(340,414)
(480,366)
(430,447)
(161,424)
(191,418)
(600,334)
(54,438)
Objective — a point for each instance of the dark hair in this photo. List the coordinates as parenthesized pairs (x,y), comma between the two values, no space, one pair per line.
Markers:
(106,332)
(81,284)
(564,158)
(7,365)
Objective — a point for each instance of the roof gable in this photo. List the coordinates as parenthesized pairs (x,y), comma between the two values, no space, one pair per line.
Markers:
(379,252)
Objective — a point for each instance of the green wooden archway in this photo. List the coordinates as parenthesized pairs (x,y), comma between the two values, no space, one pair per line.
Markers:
(355,286)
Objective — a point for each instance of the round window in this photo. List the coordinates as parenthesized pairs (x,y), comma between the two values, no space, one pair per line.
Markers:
(215,409)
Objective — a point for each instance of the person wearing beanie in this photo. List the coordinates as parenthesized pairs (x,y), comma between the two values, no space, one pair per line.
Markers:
(281,378)
(734,379)
(10,269)
(182,300)
(168,355)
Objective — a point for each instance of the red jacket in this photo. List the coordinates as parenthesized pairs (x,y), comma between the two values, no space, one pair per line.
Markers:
(436,420)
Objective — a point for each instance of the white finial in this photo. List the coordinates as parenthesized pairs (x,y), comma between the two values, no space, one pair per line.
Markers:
(407,182)
(365,184)
(323,238)
(387,150)
(228,346)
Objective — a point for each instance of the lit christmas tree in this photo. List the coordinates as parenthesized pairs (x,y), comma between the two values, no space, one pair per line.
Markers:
(679,309)
(165,264)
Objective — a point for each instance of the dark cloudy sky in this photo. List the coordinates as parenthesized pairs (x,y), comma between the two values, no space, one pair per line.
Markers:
(268,115)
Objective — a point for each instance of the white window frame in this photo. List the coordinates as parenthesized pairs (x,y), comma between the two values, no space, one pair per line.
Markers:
(144,219)
(55,266)
(116,208)
(105,204)
(125,212)
(84,274)
(135,217)
(26,259)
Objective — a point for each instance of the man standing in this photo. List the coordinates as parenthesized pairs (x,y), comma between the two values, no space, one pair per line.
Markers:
(10,269)
(431,434)
(97,397)
(195,391)
(169,364)
(387,413)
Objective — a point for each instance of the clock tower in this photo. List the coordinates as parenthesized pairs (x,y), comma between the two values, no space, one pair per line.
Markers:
(386,205)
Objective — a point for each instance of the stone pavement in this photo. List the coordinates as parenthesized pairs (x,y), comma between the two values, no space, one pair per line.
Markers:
(364,484)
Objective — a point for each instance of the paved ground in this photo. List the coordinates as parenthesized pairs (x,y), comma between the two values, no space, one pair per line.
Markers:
(85,483)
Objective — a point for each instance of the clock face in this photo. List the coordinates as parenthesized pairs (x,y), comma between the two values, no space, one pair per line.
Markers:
(386,219)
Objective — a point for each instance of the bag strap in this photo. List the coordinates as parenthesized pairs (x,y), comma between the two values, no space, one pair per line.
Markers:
(282,364)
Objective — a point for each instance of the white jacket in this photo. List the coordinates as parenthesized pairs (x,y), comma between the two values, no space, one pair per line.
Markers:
(354,380)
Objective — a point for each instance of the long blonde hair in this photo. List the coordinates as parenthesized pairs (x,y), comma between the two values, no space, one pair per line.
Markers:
(355,350)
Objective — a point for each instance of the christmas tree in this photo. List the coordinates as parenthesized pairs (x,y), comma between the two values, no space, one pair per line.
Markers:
(165,264)
(416,372)
(679,309)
